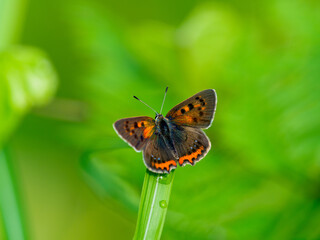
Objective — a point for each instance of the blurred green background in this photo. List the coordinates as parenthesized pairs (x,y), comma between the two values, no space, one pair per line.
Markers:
(75,177)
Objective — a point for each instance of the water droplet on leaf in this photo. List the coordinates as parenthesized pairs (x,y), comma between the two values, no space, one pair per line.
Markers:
(163,204)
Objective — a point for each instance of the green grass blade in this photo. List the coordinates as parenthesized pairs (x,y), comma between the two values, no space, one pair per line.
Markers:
(11,19)
(153,205)
(9,202)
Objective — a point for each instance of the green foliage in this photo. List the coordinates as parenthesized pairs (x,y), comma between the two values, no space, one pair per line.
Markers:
(27,79)
(261,177)
(10,206)
(154,202)
(109,179)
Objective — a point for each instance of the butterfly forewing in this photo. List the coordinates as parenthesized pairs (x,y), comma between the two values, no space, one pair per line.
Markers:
(196,111)
(136,131)
(157,156)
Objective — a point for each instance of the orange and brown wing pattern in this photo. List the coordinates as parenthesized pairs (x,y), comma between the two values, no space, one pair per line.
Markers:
(196,111)
(136,131)
(157,156)
(192,144)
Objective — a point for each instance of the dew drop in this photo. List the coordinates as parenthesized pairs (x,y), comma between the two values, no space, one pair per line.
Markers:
(163,204)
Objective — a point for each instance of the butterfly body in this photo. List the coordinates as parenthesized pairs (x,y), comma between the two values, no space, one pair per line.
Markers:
(176,138)
(165,129)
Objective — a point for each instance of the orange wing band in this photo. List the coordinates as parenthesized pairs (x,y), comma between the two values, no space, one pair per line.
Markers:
(193,156)
(165,165)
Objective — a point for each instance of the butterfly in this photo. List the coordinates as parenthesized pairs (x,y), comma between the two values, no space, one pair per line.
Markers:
(176,138)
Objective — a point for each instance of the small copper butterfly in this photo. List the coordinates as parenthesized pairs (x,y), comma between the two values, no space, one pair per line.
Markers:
(174,139)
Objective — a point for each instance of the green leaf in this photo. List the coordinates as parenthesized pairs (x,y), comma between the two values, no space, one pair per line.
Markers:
(10,206)
(26,79)
(153,205)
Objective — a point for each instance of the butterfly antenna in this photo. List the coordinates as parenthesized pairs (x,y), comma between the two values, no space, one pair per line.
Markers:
(165,94)
(146,104)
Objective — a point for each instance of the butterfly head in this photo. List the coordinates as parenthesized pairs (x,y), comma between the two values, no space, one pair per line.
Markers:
(159,118)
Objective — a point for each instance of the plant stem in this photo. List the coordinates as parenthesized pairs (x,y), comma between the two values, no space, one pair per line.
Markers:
(9,203)
(153,205)
(11,19)
(11,14)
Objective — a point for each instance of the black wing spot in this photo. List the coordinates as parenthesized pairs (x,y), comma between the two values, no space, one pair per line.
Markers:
(203,103)
(142,124)
(201,114)
(201,100)
(197,98)
(127,122)
(190,105)
(183,111)
(135,136)
(132,131)
(195,120)
(141,138)
(135,125)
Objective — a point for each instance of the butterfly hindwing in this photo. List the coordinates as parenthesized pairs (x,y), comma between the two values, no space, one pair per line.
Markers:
(191,143)
(157,156)
(136,130)
(196,111)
